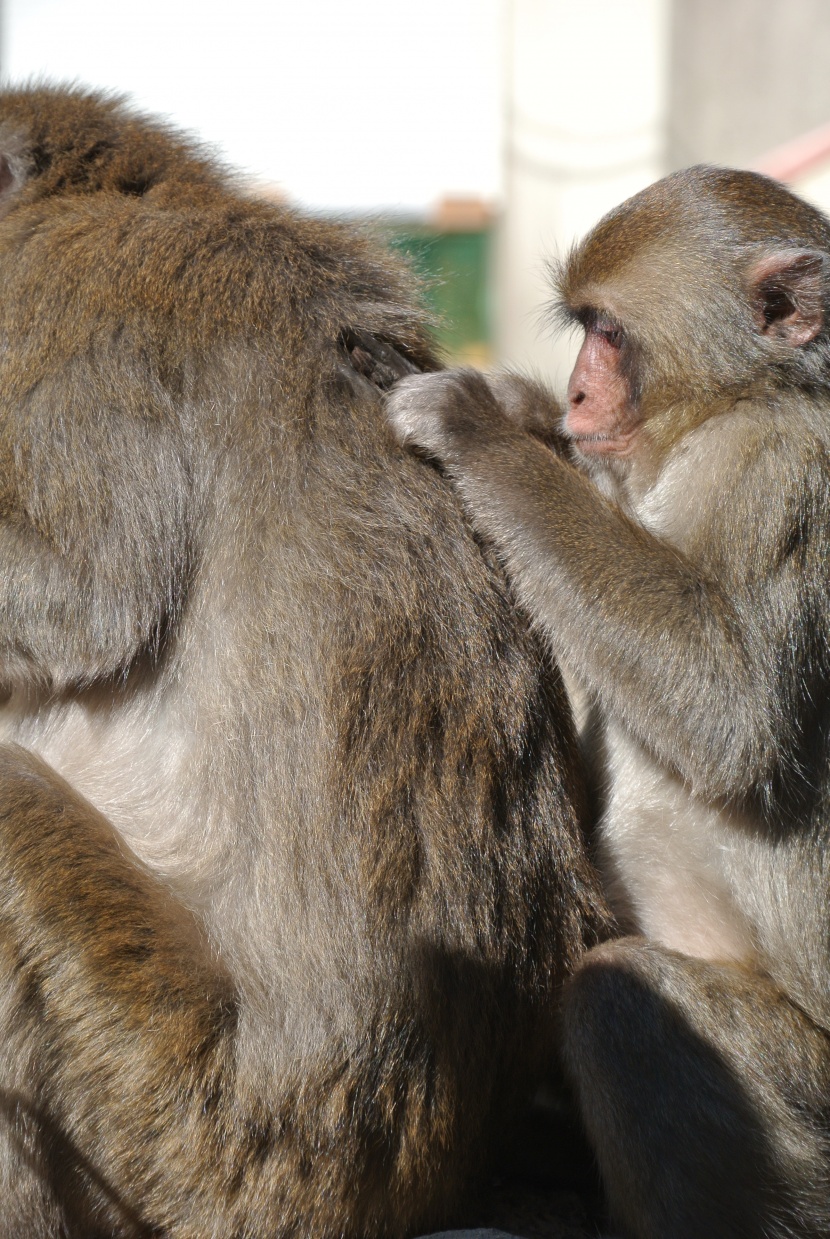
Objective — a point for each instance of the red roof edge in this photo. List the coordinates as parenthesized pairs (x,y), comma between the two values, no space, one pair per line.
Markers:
(795,159)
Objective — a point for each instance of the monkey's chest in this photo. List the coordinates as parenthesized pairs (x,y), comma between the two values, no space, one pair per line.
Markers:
(671,864)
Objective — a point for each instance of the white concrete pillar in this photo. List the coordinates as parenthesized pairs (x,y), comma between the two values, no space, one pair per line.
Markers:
(586,86)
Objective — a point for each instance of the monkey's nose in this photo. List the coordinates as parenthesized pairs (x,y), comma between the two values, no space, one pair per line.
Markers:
(577,397)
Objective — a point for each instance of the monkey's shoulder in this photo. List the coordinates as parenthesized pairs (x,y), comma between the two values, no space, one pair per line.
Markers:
(223,265)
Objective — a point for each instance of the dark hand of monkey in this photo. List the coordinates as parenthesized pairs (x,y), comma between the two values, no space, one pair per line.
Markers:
(443,415)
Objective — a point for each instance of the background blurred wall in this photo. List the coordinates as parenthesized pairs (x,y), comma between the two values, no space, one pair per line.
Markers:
(585,95)
(745,75)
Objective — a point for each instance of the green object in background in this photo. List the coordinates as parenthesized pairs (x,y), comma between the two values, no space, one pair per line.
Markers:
(454,266)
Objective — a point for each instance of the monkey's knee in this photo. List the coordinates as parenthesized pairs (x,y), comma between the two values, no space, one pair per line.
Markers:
(603,1001)
(617,1032)
(692,1082)
(634,1014)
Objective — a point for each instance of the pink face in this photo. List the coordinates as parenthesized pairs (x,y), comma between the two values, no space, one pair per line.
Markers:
(600,419)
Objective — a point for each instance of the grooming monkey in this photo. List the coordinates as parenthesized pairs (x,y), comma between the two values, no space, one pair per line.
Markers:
(290,856)
(681,566)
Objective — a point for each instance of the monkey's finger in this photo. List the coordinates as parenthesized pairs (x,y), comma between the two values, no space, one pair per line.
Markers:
(357,383)
(381,363)
(410,416)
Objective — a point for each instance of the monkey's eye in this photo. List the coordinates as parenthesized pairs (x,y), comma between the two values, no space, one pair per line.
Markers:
(612,334)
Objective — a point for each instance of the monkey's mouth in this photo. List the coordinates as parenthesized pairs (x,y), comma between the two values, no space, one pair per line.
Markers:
(615,443)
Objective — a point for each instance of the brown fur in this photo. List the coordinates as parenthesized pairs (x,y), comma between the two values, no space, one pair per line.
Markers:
(290,859)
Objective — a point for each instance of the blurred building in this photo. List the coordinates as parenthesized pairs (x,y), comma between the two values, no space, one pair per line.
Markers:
(451,250)
(603,98)
(745,76)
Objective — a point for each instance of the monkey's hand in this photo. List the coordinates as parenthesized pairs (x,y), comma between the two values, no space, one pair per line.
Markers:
(446,415)
(531,407)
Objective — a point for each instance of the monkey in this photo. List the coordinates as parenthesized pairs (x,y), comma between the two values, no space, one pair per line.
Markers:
(671,537)
(292,866)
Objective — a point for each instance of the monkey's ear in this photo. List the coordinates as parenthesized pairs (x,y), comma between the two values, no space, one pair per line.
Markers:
(787,287)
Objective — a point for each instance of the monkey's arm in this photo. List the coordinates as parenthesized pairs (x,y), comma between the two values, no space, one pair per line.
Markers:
(95,529)
(672,654)
(126,1016)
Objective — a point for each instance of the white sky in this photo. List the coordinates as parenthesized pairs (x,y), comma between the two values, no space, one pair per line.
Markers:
(369,104)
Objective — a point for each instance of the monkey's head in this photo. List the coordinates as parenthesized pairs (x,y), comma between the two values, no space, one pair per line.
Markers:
(55,141)
(708,287)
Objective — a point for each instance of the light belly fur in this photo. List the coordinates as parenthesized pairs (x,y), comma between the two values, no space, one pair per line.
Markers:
(668,860)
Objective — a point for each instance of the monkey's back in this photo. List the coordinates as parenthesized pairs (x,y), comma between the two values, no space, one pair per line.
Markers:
(285,671)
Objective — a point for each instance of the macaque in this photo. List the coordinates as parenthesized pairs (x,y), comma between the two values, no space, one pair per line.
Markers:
(291,856)
(674,545)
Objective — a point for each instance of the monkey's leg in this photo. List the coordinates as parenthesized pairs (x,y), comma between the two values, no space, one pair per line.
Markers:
(706,1095)
(115,1024)
(134,1110)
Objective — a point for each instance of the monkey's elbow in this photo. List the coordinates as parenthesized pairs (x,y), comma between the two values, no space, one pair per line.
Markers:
(739,766)
(729,756)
